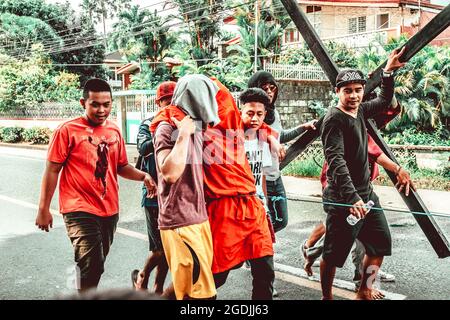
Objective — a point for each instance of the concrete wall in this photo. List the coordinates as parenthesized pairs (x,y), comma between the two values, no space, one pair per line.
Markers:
(295,97)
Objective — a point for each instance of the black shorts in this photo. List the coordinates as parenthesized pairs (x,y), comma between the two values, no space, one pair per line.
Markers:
(372,231)
(154,237)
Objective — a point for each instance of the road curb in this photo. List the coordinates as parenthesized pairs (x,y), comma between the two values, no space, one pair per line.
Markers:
(24,146)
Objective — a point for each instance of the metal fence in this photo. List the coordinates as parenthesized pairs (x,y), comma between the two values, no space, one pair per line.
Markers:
(404,154)
(142,101)
(295,72)
(47,110)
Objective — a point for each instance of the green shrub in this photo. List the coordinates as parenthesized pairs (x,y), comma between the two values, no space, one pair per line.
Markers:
(37,135)
(411,136)
(446,172)
(1,133)
(303,168)
(12,134)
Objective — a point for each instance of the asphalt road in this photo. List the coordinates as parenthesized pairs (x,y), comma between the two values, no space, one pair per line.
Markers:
(38,265)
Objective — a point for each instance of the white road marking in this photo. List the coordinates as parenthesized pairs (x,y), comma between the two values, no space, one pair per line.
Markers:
(338,284)
(342,288)
(338,292)
(132,234)
(21,157)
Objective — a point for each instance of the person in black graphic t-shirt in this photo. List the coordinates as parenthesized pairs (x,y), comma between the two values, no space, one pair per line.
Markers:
(344,138)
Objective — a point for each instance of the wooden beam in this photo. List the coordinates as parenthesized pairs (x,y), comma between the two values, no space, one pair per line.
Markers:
(426,222)
(439,23)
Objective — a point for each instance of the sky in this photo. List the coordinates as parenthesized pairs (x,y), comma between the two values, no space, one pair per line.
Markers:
(149,4)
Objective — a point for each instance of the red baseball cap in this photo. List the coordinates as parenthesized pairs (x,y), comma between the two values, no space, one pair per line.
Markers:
(165,89)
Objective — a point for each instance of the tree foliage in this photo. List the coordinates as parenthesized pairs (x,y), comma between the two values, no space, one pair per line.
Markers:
(68,38)
(33,81)
(97,9)
(83,53)
(203,20)
(269,28)
(56,15)
(142,35)
(422,87)
(19,33)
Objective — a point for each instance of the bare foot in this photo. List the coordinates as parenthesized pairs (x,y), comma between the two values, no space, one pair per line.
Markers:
(364,295)
(138,280)
(308,267)
(308,262)
(158,290)
(377,295)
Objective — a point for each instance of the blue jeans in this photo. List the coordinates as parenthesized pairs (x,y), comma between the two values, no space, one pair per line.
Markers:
(277,204)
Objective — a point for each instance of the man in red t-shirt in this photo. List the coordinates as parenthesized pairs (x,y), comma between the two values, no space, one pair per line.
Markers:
(89,151)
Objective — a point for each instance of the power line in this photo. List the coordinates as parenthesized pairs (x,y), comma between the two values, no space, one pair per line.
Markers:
(430,213)
(97,42)
(92,41)
(272,8)
(73,36)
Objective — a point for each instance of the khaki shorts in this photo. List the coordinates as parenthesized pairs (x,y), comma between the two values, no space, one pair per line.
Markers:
(189,254)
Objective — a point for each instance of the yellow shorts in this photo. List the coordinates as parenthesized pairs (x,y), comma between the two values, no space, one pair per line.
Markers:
(189,254)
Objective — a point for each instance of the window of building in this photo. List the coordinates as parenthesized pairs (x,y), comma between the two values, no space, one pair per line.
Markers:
(311,9)
(383,21)
(314,15)
(357,25)
(291,35)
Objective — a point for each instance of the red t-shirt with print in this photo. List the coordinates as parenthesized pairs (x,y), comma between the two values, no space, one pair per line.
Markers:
(90,156)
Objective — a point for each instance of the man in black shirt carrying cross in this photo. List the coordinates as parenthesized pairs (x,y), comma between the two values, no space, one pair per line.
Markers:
(344,139)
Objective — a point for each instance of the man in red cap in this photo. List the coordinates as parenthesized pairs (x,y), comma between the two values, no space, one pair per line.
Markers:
(156,258)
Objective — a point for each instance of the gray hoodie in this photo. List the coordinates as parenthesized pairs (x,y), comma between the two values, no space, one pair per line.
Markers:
(196,95)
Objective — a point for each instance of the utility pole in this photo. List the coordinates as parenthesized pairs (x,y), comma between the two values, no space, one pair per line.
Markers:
(420,14)
(256,36)
(104,25)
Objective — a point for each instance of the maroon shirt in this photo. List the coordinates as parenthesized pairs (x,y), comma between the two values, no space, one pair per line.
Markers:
(182,203)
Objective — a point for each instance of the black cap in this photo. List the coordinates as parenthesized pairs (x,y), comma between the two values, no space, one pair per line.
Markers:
(349,76)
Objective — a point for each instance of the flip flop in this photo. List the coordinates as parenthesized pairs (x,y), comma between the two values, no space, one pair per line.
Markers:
(134,276)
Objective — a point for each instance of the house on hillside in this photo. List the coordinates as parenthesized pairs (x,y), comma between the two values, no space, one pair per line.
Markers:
(358,23)
(113,62)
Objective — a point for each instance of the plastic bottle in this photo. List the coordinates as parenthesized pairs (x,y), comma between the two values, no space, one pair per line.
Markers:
(352,220)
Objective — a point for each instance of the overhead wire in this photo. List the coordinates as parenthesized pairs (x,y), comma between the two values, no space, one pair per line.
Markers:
(93,41)
(75,35)
(98,40)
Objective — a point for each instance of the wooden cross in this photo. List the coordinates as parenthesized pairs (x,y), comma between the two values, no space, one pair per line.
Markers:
(438,24)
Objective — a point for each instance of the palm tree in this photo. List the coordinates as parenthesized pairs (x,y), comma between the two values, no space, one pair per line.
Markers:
(422,88)
(270,29)
(130,21)
(142,34)
(203,23)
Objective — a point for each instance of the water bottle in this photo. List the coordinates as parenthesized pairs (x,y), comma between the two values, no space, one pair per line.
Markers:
(352,220)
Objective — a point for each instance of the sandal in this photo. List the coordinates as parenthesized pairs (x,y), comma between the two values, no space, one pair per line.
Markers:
(134,277)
